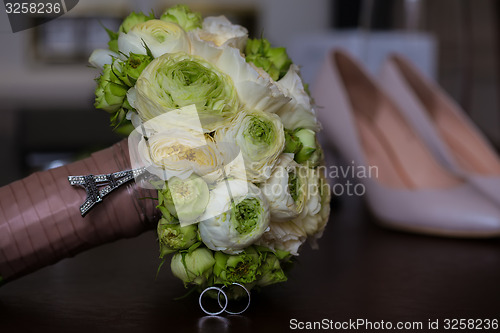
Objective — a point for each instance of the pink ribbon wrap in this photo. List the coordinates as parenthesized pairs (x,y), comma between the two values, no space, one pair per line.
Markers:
(40,221)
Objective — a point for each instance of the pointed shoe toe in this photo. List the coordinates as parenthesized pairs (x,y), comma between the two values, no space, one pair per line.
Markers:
(461,211)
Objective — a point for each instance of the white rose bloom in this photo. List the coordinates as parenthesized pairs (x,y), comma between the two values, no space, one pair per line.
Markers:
(290,235)
(233,160)
(175,149)
(177,80)
(286,190)
(261,139)
(316,211)
(159,36)
(256,90)
(185,118)
(298,113)
(221,32)
(286,236)
(236,216)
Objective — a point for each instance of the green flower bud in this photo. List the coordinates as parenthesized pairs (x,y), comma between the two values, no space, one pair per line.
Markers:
(172,237)
(270,271)
(2,281)
(186,199)
(308,139)
(133,67)
(193,267)
(240,268)
(274,60)
(110,92)
(133,19)
(280,59)
(183,16)
(292,143)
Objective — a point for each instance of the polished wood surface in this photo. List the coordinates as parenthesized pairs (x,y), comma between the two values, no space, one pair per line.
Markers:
(360,271)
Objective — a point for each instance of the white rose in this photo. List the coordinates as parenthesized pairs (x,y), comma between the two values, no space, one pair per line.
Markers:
(159,36)
(236,216)
(169,149)
(256,90)
(298,113)
(261,139)
(290,235)
(316,211)
(221,32)
(286,190)
(286,236)
(177,80)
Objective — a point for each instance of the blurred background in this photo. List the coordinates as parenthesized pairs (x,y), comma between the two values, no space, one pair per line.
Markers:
(46,87)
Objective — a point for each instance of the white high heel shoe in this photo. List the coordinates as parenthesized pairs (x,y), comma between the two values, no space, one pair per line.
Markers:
(443,125)
(412,190)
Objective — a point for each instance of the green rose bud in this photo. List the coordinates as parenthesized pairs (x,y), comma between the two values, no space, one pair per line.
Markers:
(2,281)
(183,16)
(308,139)
(270,271)
(240,268)
(172,237)
(193,267)
(134,19)
(274,60)
(133,67)
(280,59)
(186,199)
(292,143)
(110,92)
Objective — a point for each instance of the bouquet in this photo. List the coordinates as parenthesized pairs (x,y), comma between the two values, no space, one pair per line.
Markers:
(225,126)
(221,142)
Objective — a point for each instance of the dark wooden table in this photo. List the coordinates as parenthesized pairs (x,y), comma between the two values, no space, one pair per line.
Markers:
(361,271)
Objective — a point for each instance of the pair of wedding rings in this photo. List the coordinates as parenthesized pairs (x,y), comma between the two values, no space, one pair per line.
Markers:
(225,300)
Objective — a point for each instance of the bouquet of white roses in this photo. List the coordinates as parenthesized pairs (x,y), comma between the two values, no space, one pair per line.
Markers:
(226,126)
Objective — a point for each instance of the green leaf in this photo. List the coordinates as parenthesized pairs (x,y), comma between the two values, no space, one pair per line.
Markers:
(148,50)
(160,198)
(164,212)
(159,267)
(112,35)
(189,292)
(194,247)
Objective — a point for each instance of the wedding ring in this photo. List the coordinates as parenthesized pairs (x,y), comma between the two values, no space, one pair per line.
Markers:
(218,299)
(230,312)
